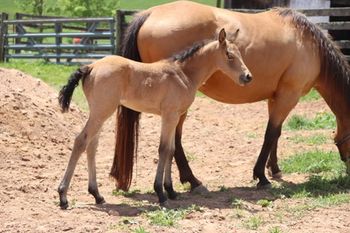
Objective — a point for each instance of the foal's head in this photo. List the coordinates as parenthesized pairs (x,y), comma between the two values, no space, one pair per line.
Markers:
(230,61)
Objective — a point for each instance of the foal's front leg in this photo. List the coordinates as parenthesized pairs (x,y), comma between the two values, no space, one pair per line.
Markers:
(166,152)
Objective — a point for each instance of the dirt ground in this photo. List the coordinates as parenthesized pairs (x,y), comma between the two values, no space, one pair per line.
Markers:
(222,142)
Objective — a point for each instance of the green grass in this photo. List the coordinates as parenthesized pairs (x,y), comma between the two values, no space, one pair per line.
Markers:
(311,140)
(140,229)
(313,162)
(311,96)
(129,193)
(275,230)
(253,223)
(323,120)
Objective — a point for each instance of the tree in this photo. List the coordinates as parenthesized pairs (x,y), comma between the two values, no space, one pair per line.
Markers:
(35,7)
(88,8)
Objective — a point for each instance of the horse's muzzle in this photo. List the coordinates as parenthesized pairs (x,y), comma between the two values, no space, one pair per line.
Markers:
(245,78)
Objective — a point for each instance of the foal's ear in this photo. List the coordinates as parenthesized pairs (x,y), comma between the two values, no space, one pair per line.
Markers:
(222,36)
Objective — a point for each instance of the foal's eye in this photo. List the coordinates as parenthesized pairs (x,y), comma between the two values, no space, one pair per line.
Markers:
(229,56)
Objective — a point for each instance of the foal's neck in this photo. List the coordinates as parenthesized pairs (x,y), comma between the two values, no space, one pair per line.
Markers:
(200,67)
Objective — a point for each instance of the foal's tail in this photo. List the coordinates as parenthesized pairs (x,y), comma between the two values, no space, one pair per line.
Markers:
(65,95)
(128,120)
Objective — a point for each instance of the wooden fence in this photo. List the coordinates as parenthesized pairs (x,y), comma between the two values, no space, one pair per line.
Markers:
(57,38)
(89,46)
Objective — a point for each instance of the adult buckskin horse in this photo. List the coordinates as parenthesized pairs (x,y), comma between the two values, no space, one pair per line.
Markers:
(287,55)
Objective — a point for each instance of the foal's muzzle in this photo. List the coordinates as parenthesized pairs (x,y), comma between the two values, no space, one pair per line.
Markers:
(245,78)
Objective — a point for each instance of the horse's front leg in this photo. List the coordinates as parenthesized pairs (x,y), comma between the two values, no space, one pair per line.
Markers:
(279,107)
(186,174)
(91,154)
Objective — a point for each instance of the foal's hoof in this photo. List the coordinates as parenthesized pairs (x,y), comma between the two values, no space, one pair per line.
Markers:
(64,205)
(164,204)
(172,195)
(201,190)
(264,186)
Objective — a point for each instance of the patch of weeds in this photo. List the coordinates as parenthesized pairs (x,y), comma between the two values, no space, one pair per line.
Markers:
(275,229)
(311,140)
(236,202)
(183,187)
(238,213)
(190,157)
(223,188)
(251,135)
(140,229)
(253,223)
(264,203)
(323,120)
(313,162)
(169,217)
(129,193)
(311,96)
(331,200)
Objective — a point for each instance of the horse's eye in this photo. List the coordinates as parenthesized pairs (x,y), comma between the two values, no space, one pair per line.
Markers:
(229,56)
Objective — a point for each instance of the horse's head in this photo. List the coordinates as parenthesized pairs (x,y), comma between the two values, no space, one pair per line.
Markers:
(342,141)
(231,62)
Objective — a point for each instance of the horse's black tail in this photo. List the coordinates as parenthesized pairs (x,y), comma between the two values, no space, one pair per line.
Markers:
(65,95)
(128,119)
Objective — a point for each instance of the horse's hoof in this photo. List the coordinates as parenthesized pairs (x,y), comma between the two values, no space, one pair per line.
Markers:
(164,204)
(100,200)
(64,205)
(264,186)
(277,175)
(201,190)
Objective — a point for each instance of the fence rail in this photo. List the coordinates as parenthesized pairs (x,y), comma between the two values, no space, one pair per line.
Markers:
(110,37)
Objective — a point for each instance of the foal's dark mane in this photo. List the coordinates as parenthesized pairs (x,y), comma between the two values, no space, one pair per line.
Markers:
(335,69)
(189,51)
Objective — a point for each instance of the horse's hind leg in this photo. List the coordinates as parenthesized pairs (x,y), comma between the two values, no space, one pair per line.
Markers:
(185,171)
(91,154)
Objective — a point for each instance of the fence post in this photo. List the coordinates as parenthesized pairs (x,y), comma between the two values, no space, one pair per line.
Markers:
(3,32)
(119,30)
(58,40)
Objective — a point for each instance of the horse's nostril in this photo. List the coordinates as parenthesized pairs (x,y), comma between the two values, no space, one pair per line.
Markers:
(248,78)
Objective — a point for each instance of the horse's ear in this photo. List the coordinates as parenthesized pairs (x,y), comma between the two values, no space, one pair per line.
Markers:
(222,36)
(234,35)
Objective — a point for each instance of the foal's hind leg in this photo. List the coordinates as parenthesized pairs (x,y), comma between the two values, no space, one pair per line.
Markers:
(91,154)
(82,140)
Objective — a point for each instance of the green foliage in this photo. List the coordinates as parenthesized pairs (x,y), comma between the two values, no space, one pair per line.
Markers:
(313,162)
(169,217)
(129,193)
(312,140)
(253,223)
(86,8)
(140,229)
(311,96)
(264,203)
(35,7)
(275,230)
(236,202)
(323,120)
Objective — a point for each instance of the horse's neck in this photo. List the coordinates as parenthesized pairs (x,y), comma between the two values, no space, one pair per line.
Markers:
(199,68)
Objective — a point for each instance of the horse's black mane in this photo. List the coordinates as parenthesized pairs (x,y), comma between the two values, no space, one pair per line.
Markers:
(189,51)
